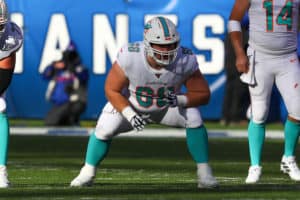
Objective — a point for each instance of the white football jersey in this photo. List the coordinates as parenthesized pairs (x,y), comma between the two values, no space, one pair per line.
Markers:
(273,25)
(147,86)
(11,40)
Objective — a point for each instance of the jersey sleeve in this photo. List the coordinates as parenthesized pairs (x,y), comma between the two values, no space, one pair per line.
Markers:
(121,56)
(190,60)
(194,64)
(128,56)
(11,40)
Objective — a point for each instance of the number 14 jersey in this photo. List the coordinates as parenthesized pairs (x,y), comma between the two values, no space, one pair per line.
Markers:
(273,26)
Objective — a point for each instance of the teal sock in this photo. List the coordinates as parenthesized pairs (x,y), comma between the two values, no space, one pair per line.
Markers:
(97,150)
(291,134)
(4,138)
(197,142)
(256,139)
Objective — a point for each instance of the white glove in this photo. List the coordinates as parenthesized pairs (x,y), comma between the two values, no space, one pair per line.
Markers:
(137,122)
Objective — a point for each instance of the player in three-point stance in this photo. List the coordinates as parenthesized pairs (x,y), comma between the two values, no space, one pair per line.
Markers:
(271,59)
(144,86)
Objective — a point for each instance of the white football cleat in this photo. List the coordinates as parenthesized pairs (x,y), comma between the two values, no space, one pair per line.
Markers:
(205,177)
(254,174)
(4,182)
(85,177)
(289,166)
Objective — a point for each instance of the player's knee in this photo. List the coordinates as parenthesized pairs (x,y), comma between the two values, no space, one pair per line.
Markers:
(2,105)
(259,117)
(193,124)
(259,114)
(294,109)
(194,118)
(104,133)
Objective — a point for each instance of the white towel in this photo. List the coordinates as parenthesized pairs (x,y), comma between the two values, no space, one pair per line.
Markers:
(50,89)
(249,77)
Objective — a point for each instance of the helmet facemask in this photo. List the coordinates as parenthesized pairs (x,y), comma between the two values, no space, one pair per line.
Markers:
(162,57)
(161,31)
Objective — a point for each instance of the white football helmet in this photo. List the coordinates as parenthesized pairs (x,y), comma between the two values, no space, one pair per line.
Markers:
(161,31)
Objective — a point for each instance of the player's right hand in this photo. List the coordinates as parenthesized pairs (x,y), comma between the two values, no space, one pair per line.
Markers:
(138,123)
(242,63)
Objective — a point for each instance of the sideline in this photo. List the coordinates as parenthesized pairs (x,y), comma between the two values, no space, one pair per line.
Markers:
(148,132)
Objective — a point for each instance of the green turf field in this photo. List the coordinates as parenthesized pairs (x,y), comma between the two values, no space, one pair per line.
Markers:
(41,167)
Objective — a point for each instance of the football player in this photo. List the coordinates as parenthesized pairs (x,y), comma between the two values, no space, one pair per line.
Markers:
(271,59)
(144,86)
(11,39)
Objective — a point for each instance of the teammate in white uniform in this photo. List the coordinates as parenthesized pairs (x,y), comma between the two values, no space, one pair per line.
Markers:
(11,39)
(144,86)
(271,58)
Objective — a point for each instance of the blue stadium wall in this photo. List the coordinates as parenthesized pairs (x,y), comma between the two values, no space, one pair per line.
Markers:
(99,28)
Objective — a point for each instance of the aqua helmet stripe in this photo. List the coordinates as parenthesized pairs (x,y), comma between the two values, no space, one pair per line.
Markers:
(165,26)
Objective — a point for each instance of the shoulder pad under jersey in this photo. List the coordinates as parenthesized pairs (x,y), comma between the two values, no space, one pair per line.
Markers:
(11,40)
(186,51)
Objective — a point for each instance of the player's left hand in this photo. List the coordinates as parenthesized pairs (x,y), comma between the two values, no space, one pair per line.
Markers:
(171,99)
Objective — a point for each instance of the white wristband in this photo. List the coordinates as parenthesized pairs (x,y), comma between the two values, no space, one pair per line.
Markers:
(182,100)
(128,113)
(234,25)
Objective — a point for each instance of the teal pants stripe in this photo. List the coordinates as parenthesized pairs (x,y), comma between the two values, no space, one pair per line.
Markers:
(197,142)
(291,134)
(4,138)
(97,150)
(256,139)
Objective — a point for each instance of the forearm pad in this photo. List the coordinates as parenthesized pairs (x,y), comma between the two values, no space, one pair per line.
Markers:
(5,79)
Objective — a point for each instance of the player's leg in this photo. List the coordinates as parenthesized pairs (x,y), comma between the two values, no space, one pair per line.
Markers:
(5,79)
(57,115)
(287,83)
(260,96)
(109,124)
(76,109)
(4,140)
(197,141)
(97,150)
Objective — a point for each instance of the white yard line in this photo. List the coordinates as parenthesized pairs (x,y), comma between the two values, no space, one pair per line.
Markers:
(150,132)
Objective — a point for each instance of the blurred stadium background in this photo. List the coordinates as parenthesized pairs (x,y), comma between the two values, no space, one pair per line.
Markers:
(99,29)
(41,167)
